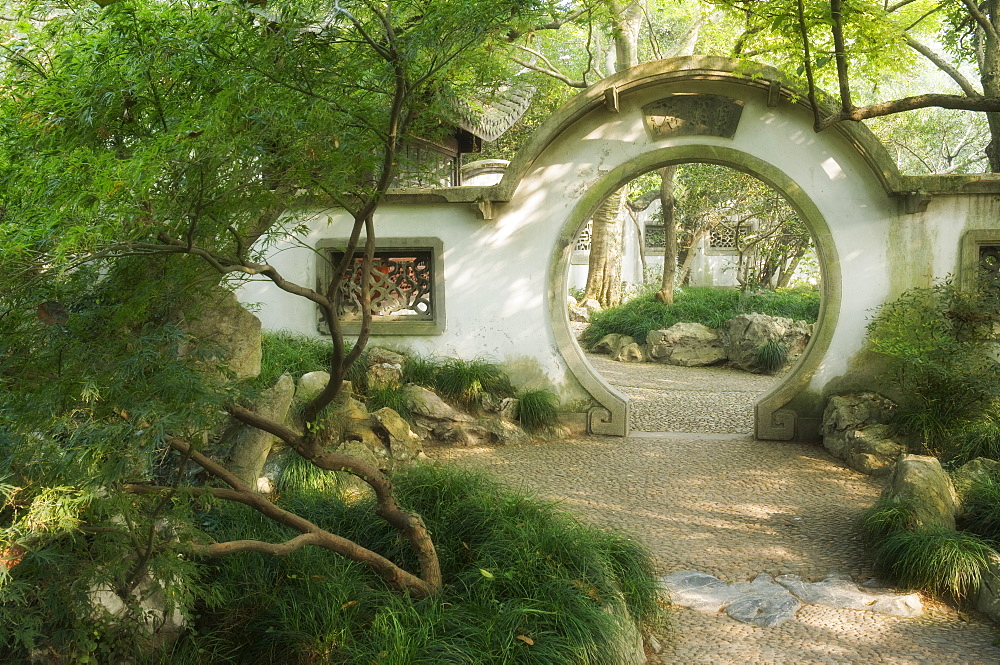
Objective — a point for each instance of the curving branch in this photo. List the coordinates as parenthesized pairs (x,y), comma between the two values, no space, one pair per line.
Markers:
(407,523)
(958,102)
(982,19)
(274,549)
(554,24)
(944,66)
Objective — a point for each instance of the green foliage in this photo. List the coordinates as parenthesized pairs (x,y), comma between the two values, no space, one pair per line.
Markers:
(538,410)
(982,509)
(284,352)
(771,356)
(885,518)
(421,370)
(708,306)
(939,561)
(391,396)
(469,381)
(513,566)
(937,343)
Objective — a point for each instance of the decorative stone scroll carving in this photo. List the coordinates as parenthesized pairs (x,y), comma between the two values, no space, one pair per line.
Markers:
(776,425)
(693,114)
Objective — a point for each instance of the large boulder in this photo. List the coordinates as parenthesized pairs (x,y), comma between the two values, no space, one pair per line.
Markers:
(745,334)
(229,333)
(385,367)
(310,385)
(426,403)
(612,344)
(250,446)
(402,444)
(974,471)
(988,598)
(854,431)
(579,315)
(920,482)
(630,353)
(686,344)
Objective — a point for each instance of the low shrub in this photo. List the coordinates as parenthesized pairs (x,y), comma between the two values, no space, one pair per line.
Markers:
(938,344)
(708,306)
(524,583)
(982,509)
(538,410)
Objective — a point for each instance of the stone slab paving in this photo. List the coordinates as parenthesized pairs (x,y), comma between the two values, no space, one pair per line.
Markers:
(667,398)
(733,507)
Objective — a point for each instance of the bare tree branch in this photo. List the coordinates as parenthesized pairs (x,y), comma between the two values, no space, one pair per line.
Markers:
(548,71)
(944,66)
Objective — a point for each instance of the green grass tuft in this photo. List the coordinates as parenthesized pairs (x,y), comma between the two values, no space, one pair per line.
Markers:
(393,397)
(421,371)
(285,352)
(771,356)
(300,475)
(982,509)
(938,561)
(538,410)
(885,518)
(468,381)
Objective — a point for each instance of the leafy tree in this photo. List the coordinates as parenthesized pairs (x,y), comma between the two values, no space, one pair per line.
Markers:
(854,45)
(148,150)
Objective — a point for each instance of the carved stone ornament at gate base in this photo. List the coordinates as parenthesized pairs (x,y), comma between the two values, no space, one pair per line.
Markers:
(776,425)
(693,114)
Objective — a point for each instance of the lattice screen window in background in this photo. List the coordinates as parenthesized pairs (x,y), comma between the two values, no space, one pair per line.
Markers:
(656,237)
(989,260)
(582,243)
(401,287)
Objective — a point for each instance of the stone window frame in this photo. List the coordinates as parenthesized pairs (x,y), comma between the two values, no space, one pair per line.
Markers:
(972,242)
(390,325)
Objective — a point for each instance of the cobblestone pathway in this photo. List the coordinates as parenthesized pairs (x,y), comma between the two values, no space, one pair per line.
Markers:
(733,507)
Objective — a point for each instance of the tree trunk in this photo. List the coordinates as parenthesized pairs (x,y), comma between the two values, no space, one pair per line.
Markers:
(990,77)
(604,270)
(666,292)
(626,19)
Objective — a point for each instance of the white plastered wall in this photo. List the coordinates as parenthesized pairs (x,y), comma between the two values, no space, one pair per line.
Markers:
(503,275)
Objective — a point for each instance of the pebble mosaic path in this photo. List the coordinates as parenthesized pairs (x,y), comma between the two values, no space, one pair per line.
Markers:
(724,504)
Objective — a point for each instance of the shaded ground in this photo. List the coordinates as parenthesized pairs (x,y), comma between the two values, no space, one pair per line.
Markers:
(733,507)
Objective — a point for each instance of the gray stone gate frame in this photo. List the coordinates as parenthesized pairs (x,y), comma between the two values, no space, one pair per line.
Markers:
(505,248)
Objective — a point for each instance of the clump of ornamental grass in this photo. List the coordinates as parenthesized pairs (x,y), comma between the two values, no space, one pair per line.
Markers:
(538,410)
(523,583)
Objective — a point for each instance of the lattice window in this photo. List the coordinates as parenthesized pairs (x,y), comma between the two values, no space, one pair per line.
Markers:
(424,164)
(656,237)
(989,260)
(407,293)
(726,236)
(583,240)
